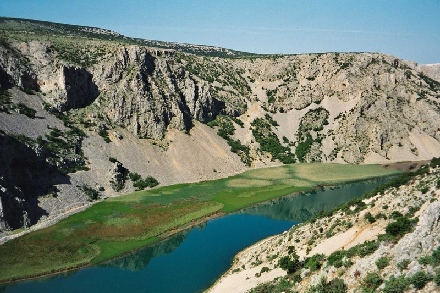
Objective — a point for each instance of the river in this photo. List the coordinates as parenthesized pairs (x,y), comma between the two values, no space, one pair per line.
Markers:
(192,260)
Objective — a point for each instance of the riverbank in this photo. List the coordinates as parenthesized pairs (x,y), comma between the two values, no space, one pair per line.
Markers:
(117,225)
(349,230)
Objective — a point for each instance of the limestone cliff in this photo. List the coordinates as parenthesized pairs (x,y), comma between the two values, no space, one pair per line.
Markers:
(332,107)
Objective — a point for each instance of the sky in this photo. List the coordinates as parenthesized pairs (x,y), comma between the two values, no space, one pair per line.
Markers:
(408,29)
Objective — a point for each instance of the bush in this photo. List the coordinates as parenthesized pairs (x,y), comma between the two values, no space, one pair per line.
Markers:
(147,182)
(113,160)
(104,134)
(382,262)
(335,259)
(290,263)
(400,227)
(134,176)
(370,218)
(364,249)
(90,192)
(23,109)
(396,285)
(420,279)
(334,286)
(314,263)
(371,282)
(426,260)
(403,264)
(437,277)
(269,142)
(436,256)
(264,270)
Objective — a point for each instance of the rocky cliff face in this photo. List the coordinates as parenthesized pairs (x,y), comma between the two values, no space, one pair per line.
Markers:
(378,107)
(347,107)
(24,175)
(146,93)
(431,70)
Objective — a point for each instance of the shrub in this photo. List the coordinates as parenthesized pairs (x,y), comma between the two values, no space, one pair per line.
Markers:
(104,134)
(371,282)
(290,263)
(23,109)
(436,256)
(396,285)
(264,270)
(425,189)
(420,279)
(382,262)
(90,192)
(269,142)
(282,284)
(134,176)
(334,286)
(398,228)
(396,214)
(314,263)
(335,259)
(147,182)
(437,277)
(370,218)
(364,249)
(426,260)
(403,264)
(435,162)
(113,160)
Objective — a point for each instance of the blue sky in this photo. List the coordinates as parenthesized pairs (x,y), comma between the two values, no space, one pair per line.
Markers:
(407,29)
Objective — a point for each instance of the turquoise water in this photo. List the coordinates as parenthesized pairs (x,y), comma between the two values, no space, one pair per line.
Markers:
(191,261)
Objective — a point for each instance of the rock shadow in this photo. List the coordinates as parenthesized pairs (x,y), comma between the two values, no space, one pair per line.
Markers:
(24,176)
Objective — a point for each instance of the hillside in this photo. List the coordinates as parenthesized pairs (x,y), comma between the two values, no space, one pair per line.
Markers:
(96,105)
(386,242)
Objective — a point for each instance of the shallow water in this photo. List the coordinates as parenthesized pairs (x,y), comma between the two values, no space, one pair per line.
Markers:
(192,260)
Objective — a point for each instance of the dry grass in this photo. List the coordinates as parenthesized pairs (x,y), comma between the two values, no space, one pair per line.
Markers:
(247,182)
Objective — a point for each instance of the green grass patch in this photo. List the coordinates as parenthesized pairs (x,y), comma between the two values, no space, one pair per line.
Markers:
(113,227)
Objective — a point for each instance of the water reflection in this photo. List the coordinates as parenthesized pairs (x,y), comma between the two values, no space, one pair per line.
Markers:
(138,260)
(192,260)
(302,207)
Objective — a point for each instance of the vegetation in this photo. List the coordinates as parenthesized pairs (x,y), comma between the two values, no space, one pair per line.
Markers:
(23,109)
(382,262)
(7,105)
(225,130)
(420,279)
(62,149)
(310,126)
(371,282)
(141,184)
(269,142)
(334,286)
(279,285)
(120,224)
(315,262)
(90,192)
(396,285)
(290,263)
(399,227)
(104,134)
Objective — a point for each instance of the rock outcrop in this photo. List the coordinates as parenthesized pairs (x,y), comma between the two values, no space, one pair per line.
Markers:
(24,175)
(431,70)
(332,107)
